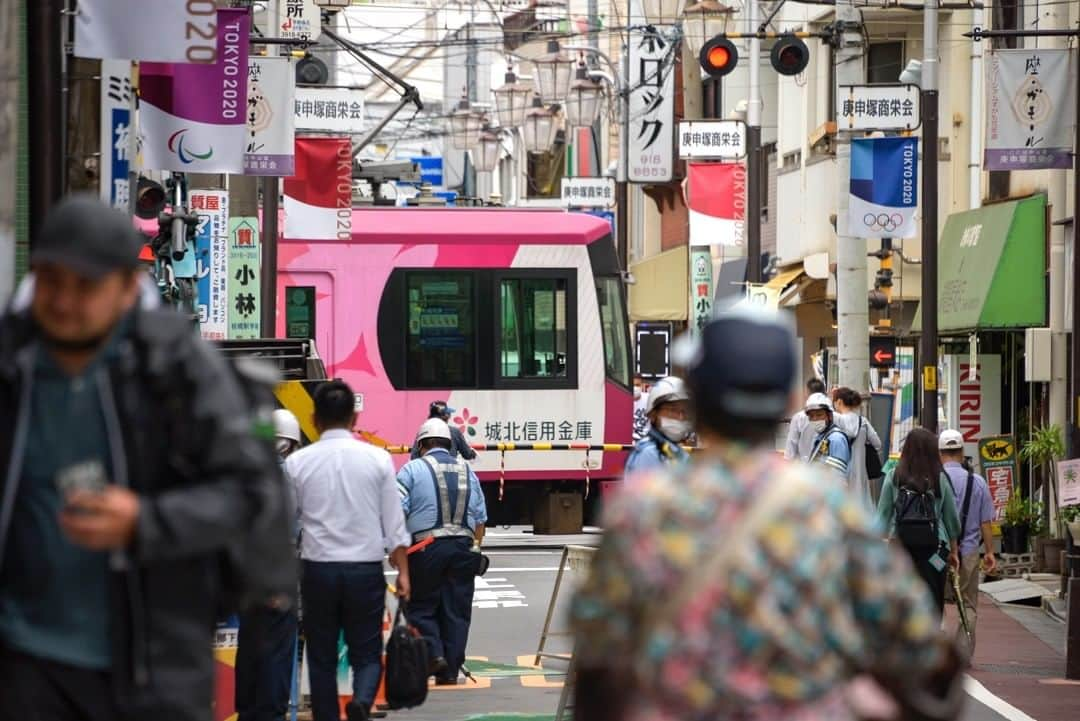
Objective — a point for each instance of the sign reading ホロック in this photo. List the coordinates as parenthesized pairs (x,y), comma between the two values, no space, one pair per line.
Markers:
(212,261)
(878,107)
(997,456)
(651,125)
(332,110)
(244,283)
(588,192)
(1030,110)
(712,139)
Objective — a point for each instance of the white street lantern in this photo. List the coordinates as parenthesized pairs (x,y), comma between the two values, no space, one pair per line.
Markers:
(540,128)
(583,102)
(485,154)
(465,126)
(554,71)
(663,12)
(512,100)
(704,21)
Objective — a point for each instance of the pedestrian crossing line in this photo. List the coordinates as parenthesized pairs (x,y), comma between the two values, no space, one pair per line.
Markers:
(481,682)
(539,680)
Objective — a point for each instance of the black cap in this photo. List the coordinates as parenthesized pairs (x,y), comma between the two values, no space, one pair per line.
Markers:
(742,364)
(87,236)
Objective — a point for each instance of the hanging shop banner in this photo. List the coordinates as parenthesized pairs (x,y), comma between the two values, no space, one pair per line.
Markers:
(116,133)
(1030,109)
(212,261)
(701,288)
(1069,479)
(318,199)
(972,401)
(716,198)
(651,126)
(298,20)
(997,457)
(883,199)
(162,31)
(762,295)
(243,274)
(192,117)
(329,110)
(270,128)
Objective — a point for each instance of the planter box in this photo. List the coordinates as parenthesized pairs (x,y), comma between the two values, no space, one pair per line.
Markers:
(1048,554)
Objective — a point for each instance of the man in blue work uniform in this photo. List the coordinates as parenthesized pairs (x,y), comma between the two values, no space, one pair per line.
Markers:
(832,449)
(442,499)
(669,425)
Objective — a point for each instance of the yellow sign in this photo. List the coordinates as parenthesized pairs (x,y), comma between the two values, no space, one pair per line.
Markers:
(997,449)
(929,378)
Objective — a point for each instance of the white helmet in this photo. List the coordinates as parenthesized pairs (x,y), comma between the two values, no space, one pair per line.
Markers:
(286,425)
(818,402)
(433,428)
(666,390)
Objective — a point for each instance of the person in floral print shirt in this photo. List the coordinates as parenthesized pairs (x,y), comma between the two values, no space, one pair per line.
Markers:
(715,596)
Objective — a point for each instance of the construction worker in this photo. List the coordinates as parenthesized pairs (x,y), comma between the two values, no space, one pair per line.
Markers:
(458,445)
(442,499)
(831,446)
(266,644)
(668,411)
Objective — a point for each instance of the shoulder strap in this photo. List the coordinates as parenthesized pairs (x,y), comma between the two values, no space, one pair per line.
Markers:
(967,502)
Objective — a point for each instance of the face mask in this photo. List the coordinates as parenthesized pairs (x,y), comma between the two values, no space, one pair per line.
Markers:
(637,393)
(819,426)
(674,429)
(283,446)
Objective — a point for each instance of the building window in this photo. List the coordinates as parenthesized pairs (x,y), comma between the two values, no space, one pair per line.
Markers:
(441,345)
(885,61)
(533,328)
(613,324)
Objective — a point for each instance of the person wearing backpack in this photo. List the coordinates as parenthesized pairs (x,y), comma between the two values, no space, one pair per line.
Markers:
(917,510)
(864,471)
(976,515)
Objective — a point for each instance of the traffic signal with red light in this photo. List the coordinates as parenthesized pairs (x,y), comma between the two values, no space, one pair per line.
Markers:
(718,57)
(789,56)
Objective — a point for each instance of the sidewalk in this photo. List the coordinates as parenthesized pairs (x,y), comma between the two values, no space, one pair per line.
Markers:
(1020,657)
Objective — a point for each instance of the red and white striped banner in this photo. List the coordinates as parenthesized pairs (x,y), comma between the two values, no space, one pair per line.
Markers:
(716,197)
(318,199)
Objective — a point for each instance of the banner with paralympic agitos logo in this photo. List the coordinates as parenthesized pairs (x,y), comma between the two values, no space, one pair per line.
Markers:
(192,116)
(884,182)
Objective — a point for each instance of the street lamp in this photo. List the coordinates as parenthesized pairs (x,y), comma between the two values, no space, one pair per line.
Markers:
(465,126)
(583,102)
(554,71)
(485,154)
(704,21)
(512,100)
(540,127)
(663,12)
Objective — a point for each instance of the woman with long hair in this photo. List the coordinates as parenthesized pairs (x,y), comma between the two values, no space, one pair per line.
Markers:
(864,439)
(917,509)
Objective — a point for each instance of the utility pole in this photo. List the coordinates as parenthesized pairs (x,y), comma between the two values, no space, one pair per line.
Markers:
(928,342)
(753,149)
(45,98)
(852,309)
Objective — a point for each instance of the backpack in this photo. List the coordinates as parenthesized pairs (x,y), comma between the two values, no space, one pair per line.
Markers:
(874,468)
(916,518)
(406,664)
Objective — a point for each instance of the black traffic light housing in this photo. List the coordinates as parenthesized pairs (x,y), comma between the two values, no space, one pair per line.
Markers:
(718,57)
(789,56)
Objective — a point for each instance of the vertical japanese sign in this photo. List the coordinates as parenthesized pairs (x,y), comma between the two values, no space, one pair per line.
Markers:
(212,261)
(651,122)
(701,288)
(244,286)
(270,127)
(997,456)
(115,132)
(299,20)
(884,178)
(1030,109)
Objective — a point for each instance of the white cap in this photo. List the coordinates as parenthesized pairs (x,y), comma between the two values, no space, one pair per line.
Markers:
(286,425)
(666,390)
(433,428)
(819,401)
(950,440)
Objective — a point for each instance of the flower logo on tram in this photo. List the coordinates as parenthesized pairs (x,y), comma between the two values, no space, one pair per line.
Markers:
(466,422)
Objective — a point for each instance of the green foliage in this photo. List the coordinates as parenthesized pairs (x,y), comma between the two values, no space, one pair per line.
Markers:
(1046,446)
(1020,511)
(1069,514)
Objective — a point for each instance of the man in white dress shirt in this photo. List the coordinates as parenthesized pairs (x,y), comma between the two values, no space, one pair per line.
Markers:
(346,495)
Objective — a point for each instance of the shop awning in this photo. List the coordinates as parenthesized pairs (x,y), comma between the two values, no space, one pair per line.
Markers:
(784,278)
(992,268)
(662,286)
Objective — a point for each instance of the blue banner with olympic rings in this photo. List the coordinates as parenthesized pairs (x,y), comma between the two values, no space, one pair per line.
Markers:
(884,188)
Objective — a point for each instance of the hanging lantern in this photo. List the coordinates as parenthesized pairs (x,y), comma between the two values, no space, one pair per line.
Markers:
(663,12)
(465,126)
(583,102)
(485,154)
(512,100)
(554,71)
(540,127)
(704,21)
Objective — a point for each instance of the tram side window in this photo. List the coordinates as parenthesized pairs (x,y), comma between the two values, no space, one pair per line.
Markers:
(533,324)
(615,329)
(441,347)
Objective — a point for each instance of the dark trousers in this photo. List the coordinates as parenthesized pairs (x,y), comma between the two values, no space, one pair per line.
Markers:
(443,577)
(33,689)
(264,664)
(349,598)
(934,579)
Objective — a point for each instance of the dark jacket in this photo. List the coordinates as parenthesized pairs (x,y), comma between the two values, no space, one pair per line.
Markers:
(458,446)
(182,438)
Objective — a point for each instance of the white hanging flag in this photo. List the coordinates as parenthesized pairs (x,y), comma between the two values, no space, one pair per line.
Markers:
(163,31)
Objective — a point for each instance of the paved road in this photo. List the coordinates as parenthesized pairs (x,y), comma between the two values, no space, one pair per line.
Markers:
(508,616)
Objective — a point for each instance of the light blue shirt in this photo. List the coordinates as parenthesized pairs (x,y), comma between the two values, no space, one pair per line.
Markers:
(420,499)
(832,449)
(980,511)
(655,451)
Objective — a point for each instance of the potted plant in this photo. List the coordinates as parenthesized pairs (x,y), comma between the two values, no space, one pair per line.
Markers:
(1044,449)
(1070,516)
(1022,519)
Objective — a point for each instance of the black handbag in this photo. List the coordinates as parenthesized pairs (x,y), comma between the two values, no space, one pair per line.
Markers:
(406,664)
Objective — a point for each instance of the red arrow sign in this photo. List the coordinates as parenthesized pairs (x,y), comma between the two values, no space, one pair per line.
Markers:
(882,356)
